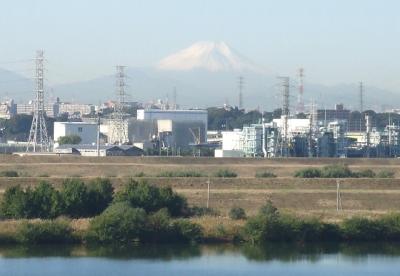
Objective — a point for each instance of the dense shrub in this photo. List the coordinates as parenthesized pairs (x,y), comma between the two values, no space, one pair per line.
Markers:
(9,174)
(385,174)
(46,202)
(365,174)
(75,198)
(197,211)
(237,213)
(119,223)
(69,139)
(269,225)
(44,232)
(100,194)
(151,198)
(336,171)
(363,229)
(186,231)
(16,203)
(180,174)
(265,174)
(308,173)
(225,173)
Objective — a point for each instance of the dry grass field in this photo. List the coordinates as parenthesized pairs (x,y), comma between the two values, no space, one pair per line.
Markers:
(305,197)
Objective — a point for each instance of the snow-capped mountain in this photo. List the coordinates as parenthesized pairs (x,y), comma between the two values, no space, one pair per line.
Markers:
(210,56)
(205,74)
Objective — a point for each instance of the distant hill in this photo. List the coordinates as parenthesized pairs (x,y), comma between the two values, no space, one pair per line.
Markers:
(204,74)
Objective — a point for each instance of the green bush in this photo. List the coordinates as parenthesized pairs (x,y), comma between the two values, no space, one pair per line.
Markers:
(186,231)
(237,213)
(100,194)
(363,229)
(44,232)
(9,174)
(308,173)
(16,203)
(385,174)
(269,225)
(265,174)
(365,174)
(151,198)
(196,211)
(180,174)
(225,173)
(46,202)
(119,223)
(140,174)
(336,171)
(75,198)
(69,139)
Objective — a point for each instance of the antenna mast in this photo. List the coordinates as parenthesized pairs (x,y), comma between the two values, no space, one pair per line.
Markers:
(38,139)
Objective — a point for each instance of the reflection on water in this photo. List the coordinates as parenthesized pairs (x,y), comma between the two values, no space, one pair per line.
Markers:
(196,260)
(283,252)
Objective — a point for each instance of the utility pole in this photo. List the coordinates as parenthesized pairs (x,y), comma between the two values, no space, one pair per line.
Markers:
(98,134)
(208,192)
(241,84)
(38,134)
(338,197)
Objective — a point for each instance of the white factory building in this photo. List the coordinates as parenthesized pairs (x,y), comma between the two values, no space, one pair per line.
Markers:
(173,115)
(87,131)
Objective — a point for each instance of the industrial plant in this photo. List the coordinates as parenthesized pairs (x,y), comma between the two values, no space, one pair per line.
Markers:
(122,127)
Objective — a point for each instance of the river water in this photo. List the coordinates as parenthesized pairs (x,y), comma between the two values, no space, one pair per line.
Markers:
(193,260)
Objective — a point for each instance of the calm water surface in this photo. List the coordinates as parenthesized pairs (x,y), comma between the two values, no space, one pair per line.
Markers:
(272,259)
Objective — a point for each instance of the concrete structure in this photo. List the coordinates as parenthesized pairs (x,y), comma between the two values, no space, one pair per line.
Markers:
(8,109)
(242,142)
(169,129)
(325,116)
(76,109)
(51,109)
(87,131)
(195,115)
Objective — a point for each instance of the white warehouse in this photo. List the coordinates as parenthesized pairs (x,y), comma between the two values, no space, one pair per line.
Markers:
(87,131)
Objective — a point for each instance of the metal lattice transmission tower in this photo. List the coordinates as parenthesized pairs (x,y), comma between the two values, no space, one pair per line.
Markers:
(38,140)
(120,132)
(285,91)
(300,97)
(241,85)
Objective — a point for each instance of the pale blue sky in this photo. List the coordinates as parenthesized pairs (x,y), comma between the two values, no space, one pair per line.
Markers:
(336,41)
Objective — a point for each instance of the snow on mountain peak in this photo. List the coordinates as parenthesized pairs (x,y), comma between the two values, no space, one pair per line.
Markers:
(210,56)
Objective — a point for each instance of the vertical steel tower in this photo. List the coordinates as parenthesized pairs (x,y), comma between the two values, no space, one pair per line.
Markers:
(120,134)
(38,140)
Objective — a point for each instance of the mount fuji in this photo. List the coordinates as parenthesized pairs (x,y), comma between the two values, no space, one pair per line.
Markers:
(209,56)
(204,74)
